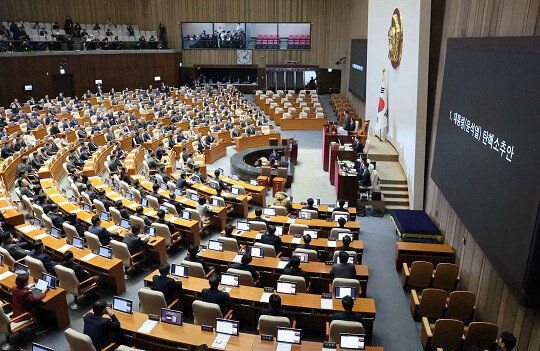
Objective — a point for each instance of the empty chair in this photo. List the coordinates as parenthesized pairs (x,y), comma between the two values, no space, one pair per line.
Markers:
(268,324)
(85,198)
(280,210)
(269,250)
(69,282)
(152,301)
(429,304)
(171,209)
(446,276)
(244,277)
(445,334)
(153,202)
(337,327)
(312,254)
(349,283)
(35,267)
(71,232)
(419,275)
(163,231)
(92,240)
(120,251)
(8,259)
(136,195)
(297,229)
(206,313)
(10,326)
(312,213)
(341,213)
(47,222)
(116,217)
(461,306)
(81,342)
(301,285)
(195,269)
(229,244)
(483,335)
(100,207)
(38,211)
(256,225)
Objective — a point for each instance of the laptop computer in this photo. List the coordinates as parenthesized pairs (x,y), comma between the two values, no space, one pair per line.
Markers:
(342,291)
(289,335)
(313,233)
(179,270)
(87,208)
(352,341)
(257,252)
(55,233)
(241,227)
(38,347)
(129,196)
(144,202)
(150,231)
(105,251)
(344,234)
(39,287)
(285,287)
(78,243)
(125,223)
(304,256)
(226,326)
(171,316)
(186,215)
(20,268)
(122,305)
(229,279)
(50,279)
(105,216)
(215,245)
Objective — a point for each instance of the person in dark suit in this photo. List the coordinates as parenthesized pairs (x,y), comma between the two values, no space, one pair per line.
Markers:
(38,254)
(160,151)
(275,307)
(182,183)
(155,193)
(192,257)
(139,212)
(103,198)
(103,234)
(134,243)
(161,220)
(170,287)
(177,205)
(309,206)
(358,146)
(24,188)
(348,314)
(222,184)
(122,209)
(341,206)
(214,295)
(56,216)
(68,261)
(98,328)
(209,139)
(10,244)
(346,244)
(365,176)
(244,265)
(258,217)
(271,238)
(342,269)
(306,245)
(293,268)
(341,222)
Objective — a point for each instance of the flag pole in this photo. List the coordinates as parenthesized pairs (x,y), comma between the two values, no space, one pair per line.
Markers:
(381,130)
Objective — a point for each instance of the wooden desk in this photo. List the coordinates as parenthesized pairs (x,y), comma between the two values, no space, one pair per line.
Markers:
(291,243)
(157,246)
(8,167)
(435,253)
(318,272)
(216,152)
(10,210)
(336,152)
(134,160)
(324,210)
(322,224)
(330,137)
(111,270)
(262,345)
(257,192)
(239,203)
(303,123)
(256,140)
(53,302)
(346,185)
(53,168)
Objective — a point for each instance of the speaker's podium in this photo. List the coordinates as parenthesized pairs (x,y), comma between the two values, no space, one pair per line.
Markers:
(291,150)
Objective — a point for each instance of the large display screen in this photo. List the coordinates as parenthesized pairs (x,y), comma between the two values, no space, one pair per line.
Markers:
(487,153)
(357,69)
(264,36)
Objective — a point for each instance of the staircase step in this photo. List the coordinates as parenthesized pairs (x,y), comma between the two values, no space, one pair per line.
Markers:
(394,187)
(396,201)
(393,181)
(390,208)
(395,193)
(383,157)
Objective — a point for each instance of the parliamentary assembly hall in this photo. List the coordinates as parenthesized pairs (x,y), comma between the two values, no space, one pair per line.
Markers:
(260,175)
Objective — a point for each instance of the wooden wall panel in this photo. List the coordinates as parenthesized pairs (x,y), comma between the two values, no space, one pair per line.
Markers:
(117,71)
(495,303)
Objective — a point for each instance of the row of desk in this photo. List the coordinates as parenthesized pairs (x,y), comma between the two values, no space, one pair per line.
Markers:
(257,140)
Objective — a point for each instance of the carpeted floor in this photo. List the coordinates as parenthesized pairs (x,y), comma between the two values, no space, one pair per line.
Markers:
(394,328)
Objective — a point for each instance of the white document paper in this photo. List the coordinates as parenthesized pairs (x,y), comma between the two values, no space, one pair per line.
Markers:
(296,240)
(332,243)
(88,257)
(27,228)
(265,297)
(147,326)
(64,248)
(151,213)
(63,203)
(5,275)
(113,228)
(281,346)
(228,290)
(77,210)
(237,259)
(327,304)
(183,200)
(41,236)
(290,220)
(220,342)
(281,264)
(258,236)
(173,219)
(204,187)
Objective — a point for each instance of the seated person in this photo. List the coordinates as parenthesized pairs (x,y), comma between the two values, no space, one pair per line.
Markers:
(170,287)
(98,328)
(24,301)
(258,217)
(134,243)
(275,307)
(271,238)
(139,212)
(229,229)
(192,257)
(293,268)
(244,265)
(68,261)
(155,193)
(12,247)
(341,206)
(310,206)
(103,234)
(214,295)
(161,220)
(177,205)
(306,245)
(39,254)
(341,222)
(202,208)
(506,342)
(119,205)
(281,199)
(346,244)
(348,314)
(343,269)
(364,176)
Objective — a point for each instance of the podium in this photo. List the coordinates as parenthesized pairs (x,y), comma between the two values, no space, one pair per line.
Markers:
(278,184)
(291,151)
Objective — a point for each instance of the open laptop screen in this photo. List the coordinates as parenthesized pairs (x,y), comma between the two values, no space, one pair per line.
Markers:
(352,341)
(122,305)
(179,270)
(171,316)
(226,326)
(289,335)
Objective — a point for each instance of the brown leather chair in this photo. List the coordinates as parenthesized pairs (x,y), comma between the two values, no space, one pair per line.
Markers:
(483,335)
(418,276)
(445,333)
(430,303)
(461,306)
(446,276)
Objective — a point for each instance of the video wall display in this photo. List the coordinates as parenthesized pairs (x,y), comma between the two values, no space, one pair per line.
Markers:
(254,36)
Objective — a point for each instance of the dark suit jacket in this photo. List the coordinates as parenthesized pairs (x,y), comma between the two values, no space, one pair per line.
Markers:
(98,329)
(298,272)
(168,286)
(273,240)
(365,178)
(222,298)
(80,272)
(134,243)
(258,219)
(103,234)
(275,313)
(14,250)
(343,270)
(45,259)
(348,316)
(199,260)
(57,219)
(246,267)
